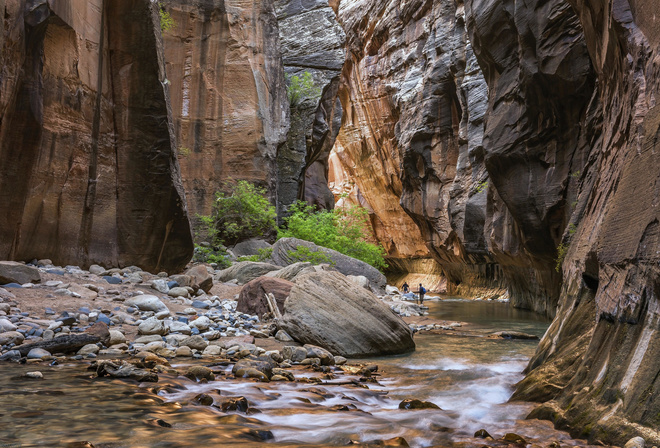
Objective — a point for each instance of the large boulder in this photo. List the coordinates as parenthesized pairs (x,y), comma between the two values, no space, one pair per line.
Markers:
(14,272)
(245,271)
(327,310)
(252,299)
(289,272)
(200,278)
(250,247)
(343,263)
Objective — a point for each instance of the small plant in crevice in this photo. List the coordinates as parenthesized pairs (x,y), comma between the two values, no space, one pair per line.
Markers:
(167,23)
(481,187)
(301,88)
(562,249)
(184,152)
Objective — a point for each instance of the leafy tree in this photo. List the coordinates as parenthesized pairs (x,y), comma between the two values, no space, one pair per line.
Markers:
(343,229)
(245,213)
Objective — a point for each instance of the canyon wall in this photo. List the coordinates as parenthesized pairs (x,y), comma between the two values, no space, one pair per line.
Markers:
(312,45)
(228,93)
(88,172)
(599,359)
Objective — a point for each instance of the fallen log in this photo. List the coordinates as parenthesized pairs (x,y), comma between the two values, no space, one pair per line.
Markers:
(70,343)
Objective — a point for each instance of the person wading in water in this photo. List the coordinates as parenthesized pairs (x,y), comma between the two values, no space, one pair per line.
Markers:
(405,287)
(421,291)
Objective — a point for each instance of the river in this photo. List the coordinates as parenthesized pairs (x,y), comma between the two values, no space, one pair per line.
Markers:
(470,378)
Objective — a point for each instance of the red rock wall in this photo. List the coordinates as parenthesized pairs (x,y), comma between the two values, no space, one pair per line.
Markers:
(228,94)
(87,166)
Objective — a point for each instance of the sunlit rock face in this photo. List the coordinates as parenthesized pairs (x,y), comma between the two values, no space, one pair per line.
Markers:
(228,94)
(312,43)
(599,359)
(414,100)
(88,172)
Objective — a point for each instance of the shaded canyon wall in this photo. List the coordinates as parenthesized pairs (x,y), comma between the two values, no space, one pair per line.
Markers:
(88,172)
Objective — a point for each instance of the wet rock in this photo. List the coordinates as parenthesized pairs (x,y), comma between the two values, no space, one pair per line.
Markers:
(203,399)
(197,373)
(14,272)
(245,271)
(184,352)
(212,350)
(326,310)
(293,353)
(146,302)
(34,375)
(514,438)
(152,326)
(238,404)
(322,354)
(195,342)
(288,376)
(252,298)
(123,370)
(413,403)
(635,442)
(512,335)
(340,360)
(263,364)
(482,434)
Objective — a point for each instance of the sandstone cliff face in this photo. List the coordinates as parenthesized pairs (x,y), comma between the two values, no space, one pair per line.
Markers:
(411,139)
(599,359)
(311,42)
(228,94)
(88,172)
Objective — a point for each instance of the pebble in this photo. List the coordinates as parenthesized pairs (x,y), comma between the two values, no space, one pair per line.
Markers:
(152,326)
(34,375)
(178,292)
(112,280)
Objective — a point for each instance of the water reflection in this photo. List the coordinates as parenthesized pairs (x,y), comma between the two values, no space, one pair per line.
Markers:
(470,378)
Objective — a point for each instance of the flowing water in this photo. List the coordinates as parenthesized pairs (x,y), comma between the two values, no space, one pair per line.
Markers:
(470,378)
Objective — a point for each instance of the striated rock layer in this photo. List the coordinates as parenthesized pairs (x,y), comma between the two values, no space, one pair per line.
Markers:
(312,44)
(88,172)
(228,94)
(599,359)
(411,139)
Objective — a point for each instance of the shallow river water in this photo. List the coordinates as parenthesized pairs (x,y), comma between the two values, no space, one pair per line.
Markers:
(470,378)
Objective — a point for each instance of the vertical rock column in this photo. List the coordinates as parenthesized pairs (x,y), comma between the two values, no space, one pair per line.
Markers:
(311,42)
(87,166)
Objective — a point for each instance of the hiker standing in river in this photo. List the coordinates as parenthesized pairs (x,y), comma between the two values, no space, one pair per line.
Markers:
(421,291)
(405,287)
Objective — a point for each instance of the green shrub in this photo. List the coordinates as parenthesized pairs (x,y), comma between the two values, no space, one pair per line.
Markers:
(261,255)
(562,249)
(301,88)
(206,254)
(343,229)
(305,254)
(166,21)
(245,213)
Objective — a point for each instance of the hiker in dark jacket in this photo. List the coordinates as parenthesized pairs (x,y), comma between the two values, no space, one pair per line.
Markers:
(421,291)
(405,287)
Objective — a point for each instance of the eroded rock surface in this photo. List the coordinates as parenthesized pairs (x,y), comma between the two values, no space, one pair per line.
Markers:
(228,94)
(88,172)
